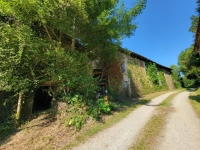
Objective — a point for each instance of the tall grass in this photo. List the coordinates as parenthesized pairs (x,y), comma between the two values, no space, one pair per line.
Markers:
(195,101)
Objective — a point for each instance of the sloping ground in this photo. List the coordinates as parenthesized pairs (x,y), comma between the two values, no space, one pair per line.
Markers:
(121,135)
(182,131)
(41,133)
(46,133)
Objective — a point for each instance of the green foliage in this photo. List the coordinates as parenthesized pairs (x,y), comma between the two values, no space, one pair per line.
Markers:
(55,42)
(103,106)
(194,25)
(72,70)
(114,106)
(188,60)
(176,76)
(139,82)
(77,121)
(113,95)
(81,109)
(94,24)
(146,82)
(195,100)
(162,80)
(77,111)
(7,108)
(198,6)
(188,82)
(152,72)
(189,63)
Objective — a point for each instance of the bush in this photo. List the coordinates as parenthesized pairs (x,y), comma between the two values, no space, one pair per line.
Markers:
(81,108)
(77,112)
(114,106)
(77,121)
(103,106)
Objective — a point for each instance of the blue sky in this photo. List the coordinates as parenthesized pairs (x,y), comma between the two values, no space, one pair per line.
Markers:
(163,30)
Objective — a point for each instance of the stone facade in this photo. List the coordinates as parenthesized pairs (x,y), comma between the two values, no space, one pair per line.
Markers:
(168,78)
(135,80)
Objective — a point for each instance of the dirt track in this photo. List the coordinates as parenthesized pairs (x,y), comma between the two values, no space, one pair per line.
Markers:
(122,135)
(182,131)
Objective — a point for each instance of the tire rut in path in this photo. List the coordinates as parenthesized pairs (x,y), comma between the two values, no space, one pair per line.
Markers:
(182,131)
(121,135)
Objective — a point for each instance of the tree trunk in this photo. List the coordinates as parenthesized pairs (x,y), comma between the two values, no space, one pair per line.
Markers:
(73,35)
(19,106)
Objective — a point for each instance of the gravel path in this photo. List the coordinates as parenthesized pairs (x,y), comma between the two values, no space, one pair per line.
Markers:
(183,127)
(121,135)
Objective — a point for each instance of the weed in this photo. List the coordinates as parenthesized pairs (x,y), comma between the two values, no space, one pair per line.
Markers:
(125,108)
(195,101)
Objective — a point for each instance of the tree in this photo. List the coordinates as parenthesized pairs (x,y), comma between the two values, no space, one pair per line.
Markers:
(189,63)
(189,59)
(195,28)
(54,40)
(176,76)
(194,25)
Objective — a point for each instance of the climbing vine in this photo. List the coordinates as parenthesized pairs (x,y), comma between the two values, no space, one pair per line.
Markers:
(140,84)
(115,77)
(162,80)
(146,81)
(152,72)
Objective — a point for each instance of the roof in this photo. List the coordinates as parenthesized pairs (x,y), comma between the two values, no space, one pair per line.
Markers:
(135,55)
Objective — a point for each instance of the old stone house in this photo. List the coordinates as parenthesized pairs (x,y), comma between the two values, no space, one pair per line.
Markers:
(135,77)
(129,76)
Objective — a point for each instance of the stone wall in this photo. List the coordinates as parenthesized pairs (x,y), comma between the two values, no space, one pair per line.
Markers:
(168,78)
(135,81)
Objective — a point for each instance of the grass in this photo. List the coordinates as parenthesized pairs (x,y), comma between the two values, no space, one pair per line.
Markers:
(153,128)
(42,127)
(126,108)
(195,101)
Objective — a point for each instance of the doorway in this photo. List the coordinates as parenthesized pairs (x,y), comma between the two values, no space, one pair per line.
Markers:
(42,100)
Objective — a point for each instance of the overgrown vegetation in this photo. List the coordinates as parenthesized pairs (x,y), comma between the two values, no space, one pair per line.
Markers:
(80,111)
(152,72)
(195,101)
(146,80)
(176,77)
(65,138)
(189,60)
(7,109)
(124,108)
(189,63)
(55,42)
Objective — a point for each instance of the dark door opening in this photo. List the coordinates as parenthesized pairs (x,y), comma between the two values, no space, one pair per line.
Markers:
(42,100)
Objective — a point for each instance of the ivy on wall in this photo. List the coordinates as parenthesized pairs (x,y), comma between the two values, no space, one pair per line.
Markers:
(162,80)
(140,84)
(115,78)
(143,79)
(143,83)
(151,71)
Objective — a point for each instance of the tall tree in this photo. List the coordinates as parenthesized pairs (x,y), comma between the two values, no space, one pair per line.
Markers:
(189,63)
(194,24)
(195,28)
(43,40)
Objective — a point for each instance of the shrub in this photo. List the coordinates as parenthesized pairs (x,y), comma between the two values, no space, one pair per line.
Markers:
(114,106)
(103,106)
